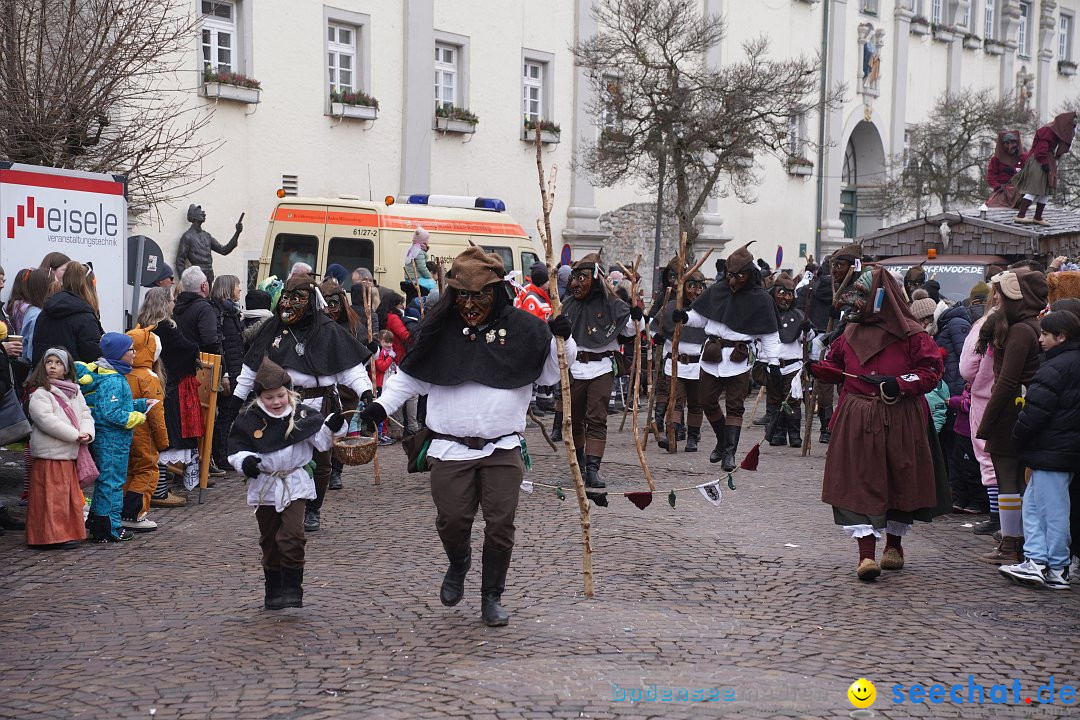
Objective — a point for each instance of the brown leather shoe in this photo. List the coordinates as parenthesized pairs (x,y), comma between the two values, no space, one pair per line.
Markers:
(1008,552)
(868,569)
(892,559)
(169,501)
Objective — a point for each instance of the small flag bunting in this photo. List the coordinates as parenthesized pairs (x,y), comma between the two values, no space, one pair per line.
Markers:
(711,493)
(527,486)
(671,498)
(641,499)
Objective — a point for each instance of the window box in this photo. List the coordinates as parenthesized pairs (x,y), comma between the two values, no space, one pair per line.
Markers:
(972,42)
(799,166)
(943,33)
(919,25)
(1067,68)
(549,131)
(449,118)
(358,112)
(224,85)
(993,47)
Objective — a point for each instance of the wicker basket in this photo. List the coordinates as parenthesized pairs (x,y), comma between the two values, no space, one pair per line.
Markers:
(358,450)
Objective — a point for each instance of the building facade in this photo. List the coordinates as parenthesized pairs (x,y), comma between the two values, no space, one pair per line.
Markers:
(312,129)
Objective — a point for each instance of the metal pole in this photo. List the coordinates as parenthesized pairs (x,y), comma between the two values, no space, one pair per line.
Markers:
(821,129)
(657,270)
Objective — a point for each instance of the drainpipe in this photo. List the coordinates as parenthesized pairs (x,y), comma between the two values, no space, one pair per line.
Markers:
(821,128)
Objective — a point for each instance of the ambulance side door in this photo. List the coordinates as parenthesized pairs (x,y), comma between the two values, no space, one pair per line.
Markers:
(352,239)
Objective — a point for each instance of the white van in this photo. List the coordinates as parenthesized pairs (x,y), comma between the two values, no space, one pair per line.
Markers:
(376,235)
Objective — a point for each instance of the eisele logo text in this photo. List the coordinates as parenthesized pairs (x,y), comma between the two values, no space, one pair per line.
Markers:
(67,219)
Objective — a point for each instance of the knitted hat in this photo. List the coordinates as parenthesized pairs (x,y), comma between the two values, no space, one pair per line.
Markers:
(923,309)
(337,272)
(257,300)
(163,274)
(420,236)
(114,345)
(538,273)
(740,259)
(473,270)
(270,377)
(979,290)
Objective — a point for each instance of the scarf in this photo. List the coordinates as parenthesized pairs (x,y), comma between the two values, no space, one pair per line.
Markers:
(118,365)
(69,389)
(891,323)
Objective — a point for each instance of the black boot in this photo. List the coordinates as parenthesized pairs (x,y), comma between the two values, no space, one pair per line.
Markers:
(779,431)
(492,583)
(9,521)
(335,474)
(292,587)
(988,526)
(132,507)
(731,446)
(659,413)
(453,584)
(272,600)
(100,528)
(825,416)
(556,428)
(680,434)
(1022,210)
(794,430)
(765,419)
(693,434)
(718,452)
(312,519)
(592,472)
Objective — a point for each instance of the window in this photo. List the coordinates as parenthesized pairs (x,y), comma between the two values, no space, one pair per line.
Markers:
(351,253)
(533,85)
(609,117)
(528,259)
(965,18)
(290,249)
(505,253)
(1022,37)
(796,138)
(218,30)
(1065,30)
(446,59)
(341,55)
(988,19)
(936,11)
(870,7)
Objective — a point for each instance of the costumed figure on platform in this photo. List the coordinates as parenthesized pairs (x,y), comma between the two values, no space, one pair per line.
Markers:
(879,472)
(476,359)
(793,329)
(602,324)
(415,267)
(319,354)
(271,442)
(1040,174)
(691,340)
(739,320)
(197,247)
(1006,161)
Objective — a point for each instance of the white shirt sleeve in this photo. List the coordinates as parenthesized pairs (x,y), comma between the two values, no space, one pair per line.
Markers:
(355,378)
(770,348)
(398,388)
(550,374)
(696,320)
(244,383)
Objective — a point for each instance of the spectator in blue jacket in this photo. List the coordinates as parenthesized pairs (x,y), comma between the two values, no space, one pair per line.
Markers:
(953,327)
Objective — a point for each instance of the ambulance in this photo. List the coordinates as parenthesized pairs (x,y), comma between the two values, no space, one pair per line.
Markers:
(376,235)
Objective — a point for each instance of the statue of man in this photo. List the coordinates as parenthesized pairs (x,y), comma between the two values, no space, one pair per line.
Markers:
(197,245)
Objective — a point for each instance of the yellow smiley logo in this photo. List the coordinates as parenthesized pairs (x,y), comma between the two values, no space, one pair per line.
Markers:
(862,693)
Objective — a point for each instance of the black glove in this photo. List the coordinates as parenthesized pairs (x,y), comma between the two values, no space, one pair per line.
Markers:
(888,384)
(250,466)
(373,346)
(775,376)
(335,422)
(367,397)
(234,404)
(560,327)
(636,313)
(806,326)
(680,316)
(1045,168)
(373,415)
(1010,171)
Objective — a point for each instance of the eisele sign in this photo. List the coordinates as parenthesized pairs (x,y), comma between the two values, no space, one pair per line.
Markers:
(81,214)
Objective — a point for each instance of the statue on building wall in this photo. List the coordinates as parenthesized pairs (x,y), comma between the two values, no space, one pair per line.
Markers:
(197,246)
(871,42)
(1025,87)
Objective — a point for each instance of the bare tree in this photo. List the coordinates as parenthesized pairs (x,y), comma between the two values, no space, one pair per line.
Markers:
(1067,192)
(944,165)
(92,85)
(659,99)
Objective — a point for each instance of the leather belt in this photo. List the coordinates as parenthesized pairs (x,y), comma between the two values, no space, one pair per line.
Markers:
(585,356)
(724,342)
(473,443)
(685,359)
(315,392)
(785,363)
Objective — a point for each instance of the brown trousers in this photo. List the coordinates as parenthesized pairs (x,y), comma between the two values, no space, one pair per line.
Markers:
(687,393)
(458,487)
(588,412)
(281,535)
(323,468)
(734,389)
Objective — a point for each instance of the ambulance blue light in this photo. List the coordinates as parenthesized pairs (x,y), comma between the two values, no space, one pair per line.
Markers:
(418,200)
(490,204)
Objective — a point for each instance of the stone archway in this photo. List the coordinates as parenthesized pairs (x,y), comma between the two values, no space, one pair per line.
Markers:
(863,172)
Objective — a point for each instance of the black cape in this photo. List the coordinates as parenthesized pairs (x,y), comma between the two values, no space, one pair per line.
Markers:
(598,320)
(789,323)
(506,353)
(329,348)
(664,325)
(255,431)
(751,311)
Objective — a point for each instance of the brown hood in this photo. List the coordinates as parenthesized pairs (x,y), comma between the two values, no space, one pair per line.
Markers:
(145,343)
(999,151)
(1034,291)
(1064,126)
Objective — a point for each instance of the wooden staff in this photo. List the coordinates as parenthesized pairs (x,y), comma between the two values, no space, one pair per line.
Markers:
(371,371)
(547,196)
(673,385)
(650,421)
(635,383)
(811,403)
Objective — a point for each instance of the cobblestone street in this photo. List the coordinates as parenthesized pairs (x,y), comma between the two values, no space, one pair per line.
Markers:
(756,599)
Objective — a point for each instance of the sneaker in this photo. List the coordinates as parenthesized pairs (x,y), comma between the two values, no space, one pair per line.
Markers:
(1056,579)
(988,526)
(386,440)
(215,471)
(1074,571)
(1028,573)
(143,524)
(172,500)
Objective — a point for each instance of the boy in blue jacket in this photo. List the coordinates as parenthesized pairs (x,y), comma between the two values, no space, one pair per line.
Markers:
(1048,436)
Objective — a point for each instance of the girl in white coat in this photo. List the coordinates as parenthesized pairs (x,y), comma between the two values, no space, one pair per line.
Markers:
(62,423)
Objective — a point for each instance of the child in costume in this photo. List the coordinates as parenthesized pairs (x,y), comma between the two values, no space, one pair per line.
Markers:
(385,359)
(115,415)
(62,423)
(148,439)
(271,442)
